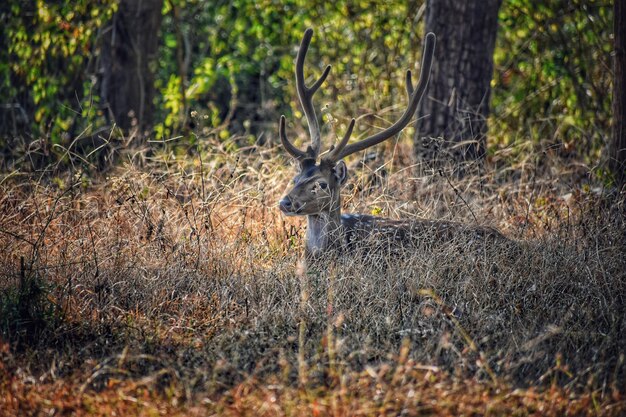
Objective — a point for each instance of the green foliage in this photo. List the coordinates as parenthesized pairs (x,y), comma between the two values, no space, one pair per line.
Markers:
(230,63)
(553,74)
(45,66)
(247,49)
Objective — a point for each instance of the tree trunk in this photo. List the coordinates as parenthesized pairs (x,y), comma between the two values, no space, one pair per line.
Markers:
(617,146)
(129,45)
(456,104)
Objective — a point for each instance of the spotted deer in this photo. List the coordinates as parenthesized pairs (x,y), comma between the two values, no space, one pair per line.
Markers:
(316,188)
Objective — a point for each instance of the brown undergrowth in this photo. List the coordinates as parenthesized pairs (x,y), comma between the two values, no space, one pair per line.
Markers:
(176,288)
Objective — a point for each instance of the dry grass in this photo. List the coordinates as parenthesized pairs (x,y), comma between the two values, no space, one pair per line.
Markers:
(176,288)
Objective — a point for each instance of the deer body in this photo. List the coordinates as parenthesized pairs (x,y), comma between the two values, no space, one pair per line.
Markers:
(316,190)
(326,234)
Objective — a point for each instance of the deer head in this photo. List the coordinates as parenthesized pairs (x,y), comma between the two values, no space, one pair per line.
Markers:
(316,188)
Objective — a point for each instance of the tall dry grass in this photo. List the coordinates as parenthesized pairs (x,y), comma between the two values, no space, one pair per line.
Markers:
(182,273)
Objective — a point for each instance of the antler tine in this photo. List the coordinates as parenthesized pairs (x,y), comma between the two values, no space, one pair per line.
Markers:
(305,94)
(409,83)
(292,150)
(415,97)
(337,150)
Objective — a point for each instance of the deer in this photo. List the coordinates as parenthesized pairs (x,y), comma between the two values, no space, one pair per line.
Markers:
(316,190)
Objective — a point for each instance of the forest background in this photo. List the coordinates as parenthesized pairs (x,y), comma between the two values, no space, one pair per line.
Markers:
(231,63)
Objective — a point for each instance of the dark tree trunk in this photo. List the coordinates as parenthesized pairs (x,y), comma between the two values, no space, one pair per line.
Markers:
(617,146)
(456,104)
(129,46)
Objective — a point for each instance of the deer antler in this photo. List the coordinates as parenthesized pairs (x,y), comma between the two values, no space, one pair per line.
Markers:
(343,149)
(305,94)
(292,150)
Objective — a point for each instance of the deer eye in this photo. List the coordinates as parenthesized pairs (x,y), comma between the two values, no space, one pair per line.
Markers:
(323,185)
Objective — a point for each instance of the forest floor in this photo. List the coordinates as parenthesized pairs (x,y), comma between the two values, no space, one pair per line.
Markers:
(173,286)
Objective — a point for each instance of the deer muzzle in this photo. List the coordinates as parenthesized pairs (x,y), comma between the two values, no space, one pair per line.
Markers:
(288,207)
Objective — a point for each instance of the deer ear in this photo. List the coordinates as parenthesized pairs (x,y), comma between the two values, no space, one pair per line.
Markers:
(341,172)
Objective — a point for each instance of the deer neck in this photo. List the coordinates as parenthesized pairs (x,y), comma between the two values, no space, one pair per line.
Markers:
(323,232)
